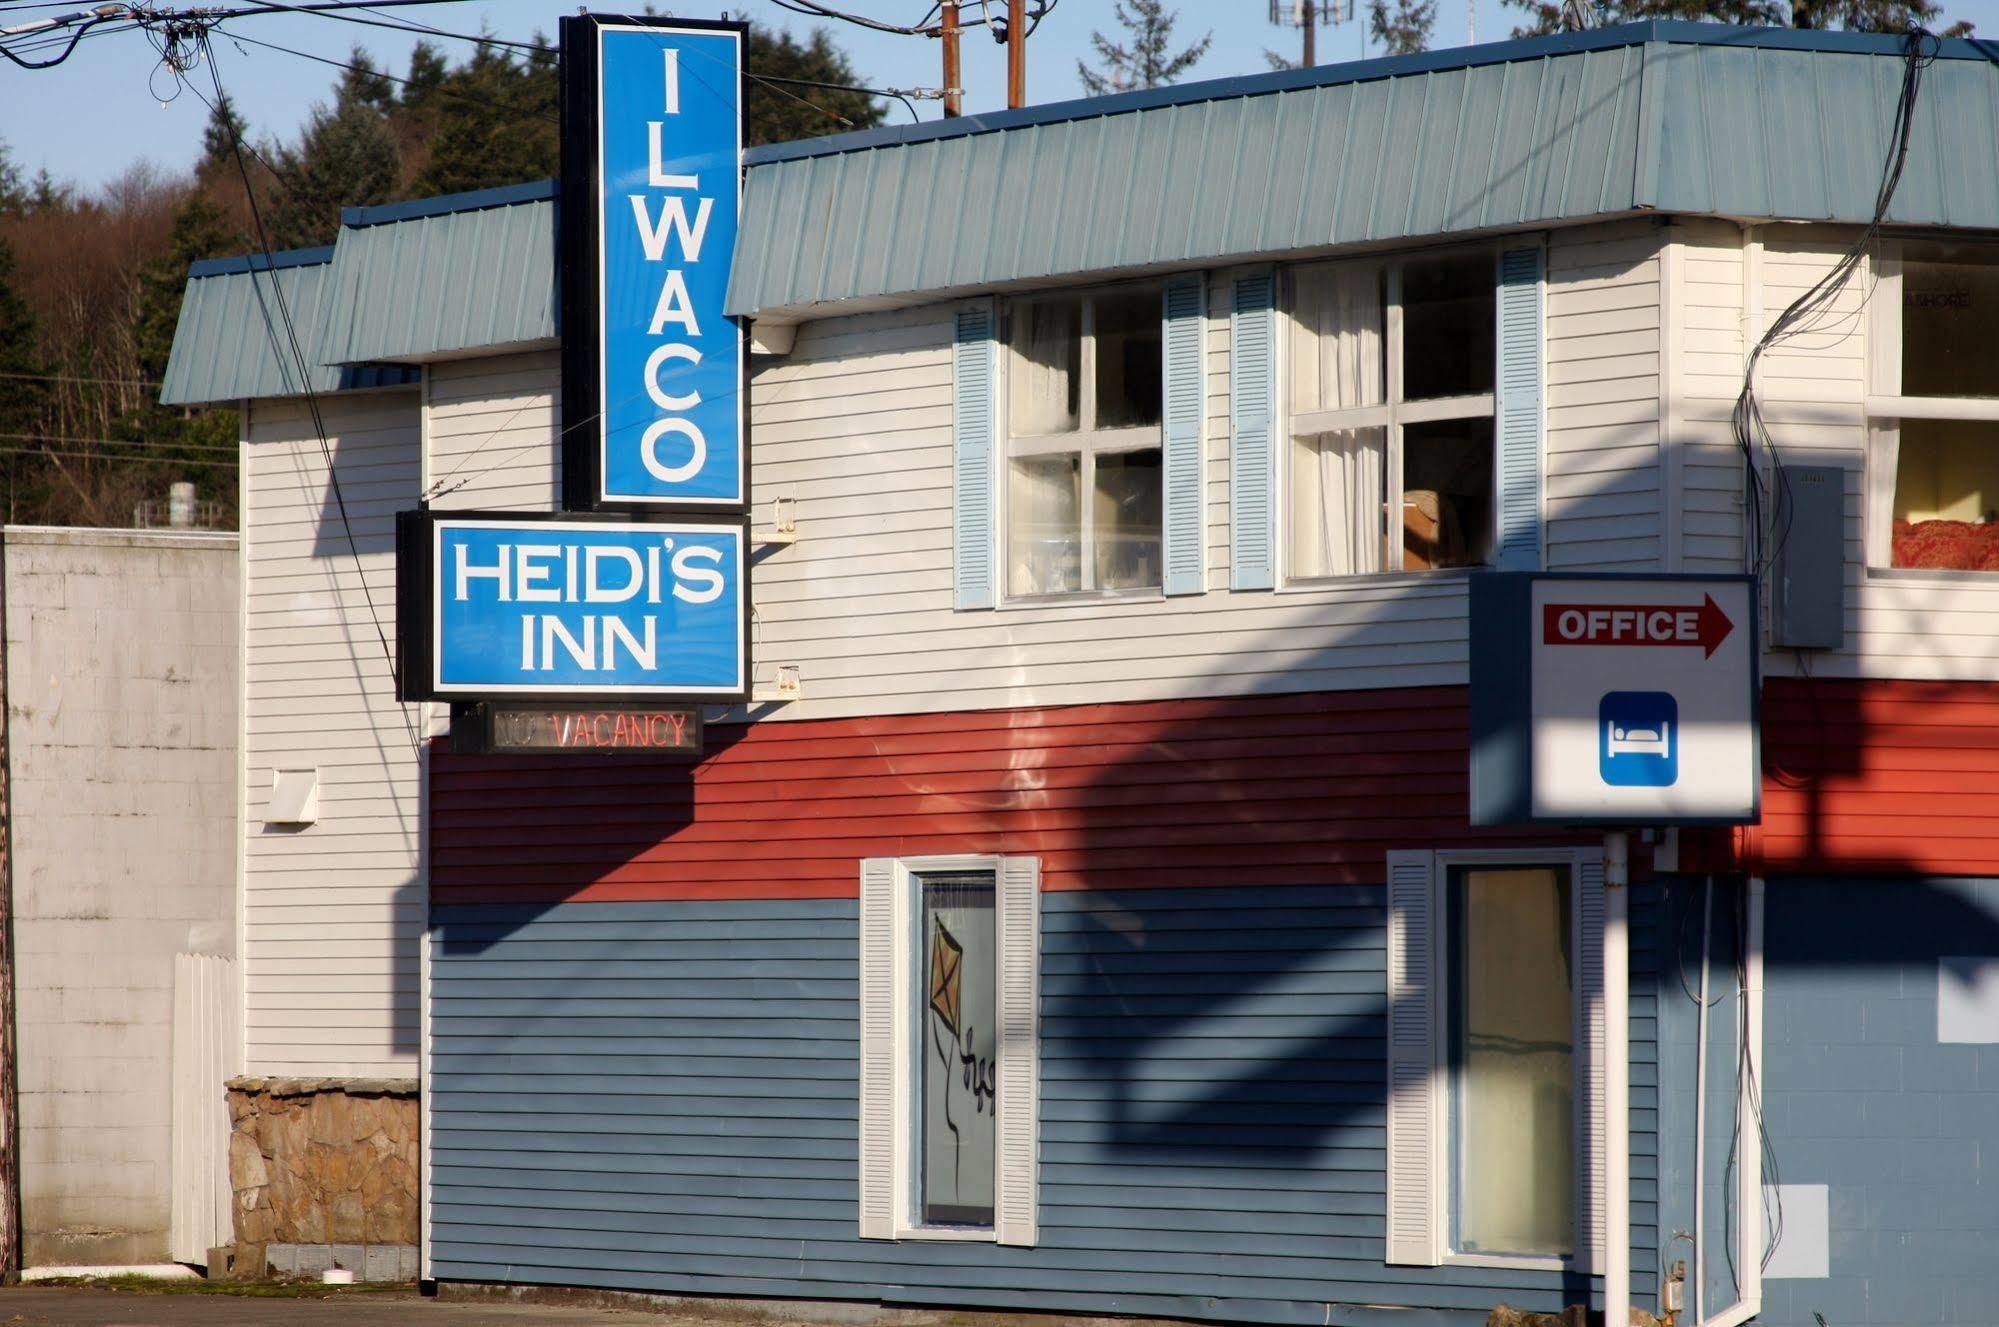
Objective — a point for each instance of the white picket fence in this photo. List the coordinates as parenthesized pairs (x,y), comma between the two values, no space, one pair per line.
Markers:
(206,1045)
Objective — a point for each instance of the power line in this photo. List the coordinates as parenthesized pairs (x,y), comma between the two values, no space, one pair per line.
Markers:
(115,442)
(376,73)
(71,377)
(99,456)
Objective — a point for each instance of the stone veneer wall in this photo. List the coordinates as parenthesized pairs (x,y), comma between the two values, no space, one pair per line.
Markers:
(322,1161)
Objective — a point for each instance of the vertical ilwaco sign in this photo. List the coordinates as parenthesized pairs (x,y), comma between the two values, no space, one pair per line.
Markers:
(654,395)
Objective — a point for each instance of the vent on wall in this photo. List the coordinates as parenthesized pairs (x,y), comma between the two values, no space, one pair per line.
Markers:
(294,797)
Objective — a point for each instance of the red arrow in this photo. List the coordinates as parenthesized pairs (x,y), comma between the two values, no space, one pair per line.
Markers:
(1637,624)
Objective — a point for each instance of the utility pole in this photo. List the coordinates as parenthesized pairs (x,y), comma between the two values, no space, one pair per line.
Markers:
(1308,19)
(954,89)
(1016,54)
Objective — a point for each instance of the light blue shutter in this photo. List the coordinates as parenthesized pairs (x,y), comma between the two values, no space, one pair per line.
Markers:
(1416,1147)
(1519,410)
(1185,394)
(1253,394)
(973,360)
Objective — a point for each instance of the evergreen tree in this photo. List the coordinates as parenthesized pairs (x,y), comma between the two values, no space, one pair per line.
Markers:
(1401,27)
(219,137)
(1851,15)
(346,159)
(13,198)
(201,230)
(782,112)
(1146,60)
(497,123)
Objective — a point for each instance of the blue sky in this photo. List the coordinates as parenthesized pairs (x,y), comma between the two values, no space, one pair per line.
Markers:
(94,116)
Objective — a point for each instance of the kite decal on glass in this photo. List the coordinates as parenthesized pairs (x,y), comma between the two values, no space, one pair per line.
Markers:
(947,959)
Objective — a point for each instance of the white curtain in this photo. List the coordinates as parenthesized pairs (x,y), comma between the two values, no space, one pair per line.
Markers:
(1337,476)
(1047,361)
(1336,499)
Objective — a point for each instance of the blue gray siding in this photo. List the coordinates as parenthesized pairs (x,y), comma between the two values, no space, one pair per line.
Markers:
(661,1096)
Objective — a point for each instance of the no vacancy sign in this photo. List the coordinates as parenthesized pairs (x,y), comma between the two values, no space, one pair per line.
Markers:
(1614,700)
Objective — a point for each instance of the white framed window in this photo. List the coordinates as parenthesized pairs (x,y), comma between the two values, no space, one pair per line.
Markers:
(949,1088)
(1495,1051)
(1933,408)
(1389,453)
(1081,461)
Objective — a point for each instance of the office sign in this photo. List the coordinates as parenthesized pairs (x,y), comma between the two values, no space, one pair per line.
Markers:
(654,386)
(1614,700)
(513,605)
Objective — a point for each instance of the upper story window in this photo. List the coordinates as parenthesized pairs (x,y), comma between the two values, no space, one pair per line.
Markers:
(1933,468)
(1389,463)
(1082,451)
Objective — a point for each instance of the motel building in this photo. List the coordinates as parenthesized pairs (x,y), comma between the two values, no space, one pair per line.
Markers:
(1186,704)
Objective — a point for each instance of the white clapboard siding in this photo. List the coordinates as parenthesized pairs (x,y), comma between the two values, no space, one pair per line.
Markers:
(207,1044)
(332,911)
(1703,380)
(856,425)
(487,424)
(1603,489)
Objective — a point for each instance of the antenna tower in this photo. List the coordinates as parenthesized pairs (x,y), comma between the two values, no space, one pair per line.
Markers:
(1306,16)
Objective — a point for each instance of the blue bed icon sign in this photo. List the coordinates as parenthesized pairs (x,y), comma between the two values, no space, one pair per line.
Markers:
(1638,739)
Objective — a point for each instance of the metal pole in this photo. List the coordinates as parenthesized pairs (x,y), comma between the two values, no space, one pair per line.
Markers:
(1700,1113)
(1616,1079)
(954,94)
(1016,53)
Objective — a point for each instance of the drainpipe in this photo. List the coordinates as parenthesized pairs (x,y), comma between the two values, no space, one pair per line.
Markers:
(1749,1110)
(1617,1079)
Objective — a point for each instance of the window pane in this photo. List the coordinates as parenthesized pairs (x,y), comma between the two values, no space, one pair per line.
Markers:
(1129,374)
(1125,519)
(1947,495)
(1337,342)
(1047,368)
(960,1079)
(1336,502)
(1950,321)
(1514,1051)
(1446,493)
(1045,524)
(1447,326)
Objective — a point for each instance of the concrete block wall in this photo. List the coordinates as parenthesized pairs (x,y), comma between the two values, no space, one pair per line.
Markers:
(121,690)
(1876,1093)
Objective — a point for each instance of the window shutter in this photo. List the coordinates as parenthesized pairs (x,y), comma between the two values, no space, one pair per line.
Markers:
(1016,1199)
(878,1067)
(1416,1145)
(1589,1115)
(973,388)
(1185,397)
(1519,410)
(1252,396)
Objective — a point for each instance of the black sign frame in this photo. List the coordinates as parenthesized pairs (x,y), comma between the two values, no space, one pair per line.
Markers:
(416,675)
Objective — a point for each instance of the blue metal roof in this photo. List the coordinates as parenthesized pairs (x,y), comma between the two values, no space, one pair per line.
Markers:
(1696,118)
(1655,116)
(416,280)
(238,320)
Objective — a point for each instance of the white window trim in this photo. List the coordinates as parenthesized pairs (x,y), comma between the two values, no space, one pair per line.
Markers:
(1089,442)
(1390,417)
(1883,409)
(1444,1142)
(908,977)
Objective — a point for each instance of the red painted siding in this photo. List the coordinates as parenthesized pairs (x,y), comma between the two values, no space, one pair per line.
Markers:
(1293,789)
(1877,777)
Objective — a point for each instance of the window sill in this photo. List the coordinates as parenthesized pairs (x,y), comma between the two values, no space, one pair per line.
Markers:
(1320,584)
(1937,577)
(1511,1263)
(1084,599)
(960,1234)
